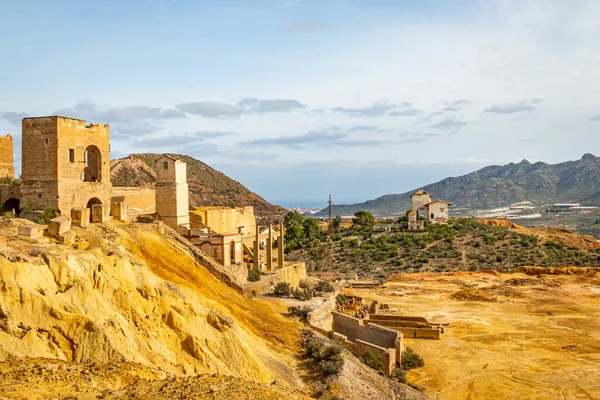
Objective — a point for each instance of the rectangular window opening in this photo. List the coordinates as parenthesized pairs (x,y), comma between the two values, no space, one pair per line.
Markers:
(71,155)
(165,165)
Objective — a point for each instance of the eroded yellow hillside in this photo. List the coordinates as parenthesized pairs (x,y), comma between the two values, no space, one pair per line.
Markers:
(127,294)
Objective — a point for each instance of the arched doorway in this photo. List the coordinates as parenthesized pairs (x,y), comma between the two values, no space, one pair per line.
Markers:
(11,205)
(93,165)
(92,202)
(232,252)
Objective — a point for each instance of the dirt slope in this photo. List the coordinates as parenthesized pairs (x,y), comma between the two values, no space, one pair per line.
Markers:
(208,187)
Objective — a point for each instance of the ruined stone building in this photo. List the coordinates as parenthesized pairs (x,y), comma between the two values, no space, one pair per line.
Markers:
(7,169)
(436,211)
(172,201)
(65,163)
(414,223)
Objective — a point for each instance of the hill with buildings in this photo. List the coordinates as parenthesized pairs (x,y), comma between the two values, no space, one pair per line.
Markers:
(207,185)
(496,186)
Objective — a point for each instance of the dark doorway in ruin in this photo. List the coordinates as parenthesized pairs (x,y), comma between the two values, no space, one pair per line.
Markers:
(93,165)
(11,206)
(232,252)
(93,201)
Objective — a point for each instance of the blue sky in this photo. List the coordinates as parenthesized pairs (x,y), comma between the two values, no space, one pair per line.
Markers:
(297,99)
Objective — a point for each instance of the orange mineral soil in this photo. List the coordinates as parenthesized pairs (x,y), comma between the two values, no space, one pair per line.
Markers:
(510,336)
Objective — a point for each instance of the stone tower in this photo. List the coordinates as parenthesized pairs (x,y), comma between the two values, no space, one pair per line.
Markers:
(172,204)
(7,167)
(65,163)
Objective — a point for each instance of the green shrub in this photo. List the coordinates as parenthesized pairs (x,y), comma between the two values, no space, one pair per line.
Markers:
(282,289)
(327,359)
(372,360)
(411,360)
(302,294)
(399,375)
(301,312)
(324,287)
(254,275)
(145,219)
(341,300)
(47,215)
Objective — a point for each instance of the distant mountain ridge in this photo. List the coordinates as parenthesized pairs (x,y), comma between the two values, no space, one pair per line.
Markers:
(496,186)
(208,187)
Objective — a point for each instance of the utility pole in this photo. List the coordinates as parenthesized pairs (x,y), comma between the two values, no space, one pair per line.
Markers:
(330,233)
(330,227)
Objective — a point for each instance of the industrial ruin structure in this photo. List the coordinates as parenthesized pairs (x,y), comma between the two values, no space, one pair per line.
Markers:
(436,211)
(66,165)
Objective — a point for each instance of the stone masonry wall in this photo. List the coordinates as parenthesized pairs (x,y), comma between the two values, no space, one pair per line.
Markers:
(7,168)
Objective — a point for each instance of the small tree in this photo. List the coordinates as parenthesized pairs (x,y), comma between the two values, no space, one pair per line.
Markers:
(363,219)
(305,284)
(337,223)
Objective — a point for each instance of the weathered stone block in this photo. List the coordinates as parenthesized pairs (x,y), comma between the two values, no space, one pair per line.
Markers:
(59,225)
(30,232)
(67,239)
(3,241)
(80,217)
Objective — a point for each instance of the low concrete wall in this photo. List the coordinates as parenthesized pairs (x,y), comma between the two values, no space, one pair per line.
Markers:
(321,317)
(420,333)
(346,325)
(387,317)
(396,324)
(378,335)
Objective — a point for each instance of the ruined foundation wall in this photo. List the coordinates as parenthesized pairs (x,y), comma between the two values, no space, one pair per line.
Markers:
(321,317)
(292,274)
(138,200)
(7,167)
(388,356)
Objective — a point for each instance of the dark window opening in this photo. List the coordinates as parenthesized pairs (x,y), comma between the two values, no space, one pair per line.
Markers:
(71,155)
(166,165)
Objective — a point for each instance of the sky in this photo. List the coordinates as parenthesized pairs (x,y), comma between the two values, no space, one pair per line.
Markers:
(297,99)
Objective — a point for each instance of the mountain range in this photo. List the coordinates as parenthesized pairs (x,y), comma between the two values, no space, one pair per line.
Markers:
(207,186)
(496,186)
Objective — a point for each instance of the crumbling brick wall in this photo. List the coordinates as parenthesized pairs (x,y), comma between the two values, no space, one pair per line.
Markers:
(7,167)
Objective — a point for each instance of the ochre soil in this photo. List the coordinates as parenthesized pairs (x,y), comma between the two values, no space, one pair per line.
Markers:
(512,336)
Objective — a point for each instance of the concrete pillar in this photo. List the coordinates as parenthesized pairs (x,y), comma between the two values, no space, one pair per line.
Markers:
(257,248)
(270,249)
(280,246)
